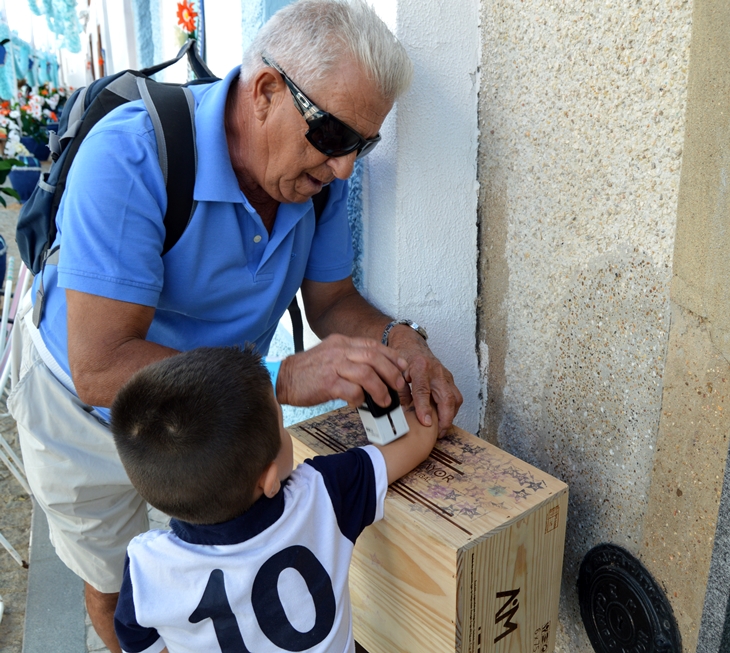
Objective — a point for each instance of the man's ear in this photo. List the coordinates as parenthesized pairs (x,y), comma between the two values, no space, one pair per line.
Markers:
(269,483)
(263,90)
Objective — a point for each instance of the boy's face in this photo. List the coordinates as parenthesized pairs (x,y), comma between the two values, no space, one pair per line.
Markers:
(285,458)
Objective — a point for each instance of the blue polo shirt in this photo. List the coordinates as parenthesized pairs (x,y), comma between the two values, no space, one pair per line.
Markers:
(226,281)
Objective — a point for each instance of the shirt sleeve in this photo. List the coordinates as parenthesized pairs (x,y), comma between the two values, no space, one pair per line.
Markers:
(331,254)
(132,637)
(112,230)
(357,483)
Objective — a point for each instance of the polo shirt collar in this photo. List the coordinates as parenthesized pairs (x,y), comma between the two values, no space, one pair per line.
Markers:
(262,514)
(215,180)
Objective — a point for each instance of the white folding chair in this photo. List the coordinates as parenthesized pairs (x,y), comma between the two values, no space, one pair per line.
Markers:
(11,301)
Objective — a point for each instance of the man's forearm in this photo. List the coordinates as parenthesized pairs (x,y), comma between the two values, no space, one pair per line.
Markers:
(342,310)
(107,344)
(97,384)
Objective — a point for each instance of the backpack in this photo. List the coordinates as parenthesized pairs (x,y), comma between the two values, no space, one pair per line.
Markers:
(172,110)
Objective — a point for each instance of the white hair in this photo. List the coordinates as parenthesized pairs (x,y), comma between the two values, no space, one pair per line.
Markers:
(310,38)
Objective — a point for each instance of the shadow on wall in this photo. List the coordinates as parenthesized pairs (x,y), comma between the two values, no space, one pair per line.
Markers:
(602,405)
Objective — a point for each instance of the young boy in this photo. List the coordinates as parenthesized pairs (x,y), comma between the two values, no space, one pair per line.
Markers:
(258,557)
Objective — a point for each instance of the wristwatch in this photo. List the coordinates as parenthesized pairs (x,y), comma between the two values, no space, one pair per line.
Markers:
(416,327)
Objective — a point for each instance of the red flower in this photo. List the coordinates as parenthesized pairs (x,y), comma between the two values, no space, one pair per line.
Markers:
(186,16)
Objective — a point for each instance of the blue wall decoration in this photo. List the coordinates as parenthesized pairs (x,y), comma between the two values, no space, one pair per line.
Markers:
(62,19)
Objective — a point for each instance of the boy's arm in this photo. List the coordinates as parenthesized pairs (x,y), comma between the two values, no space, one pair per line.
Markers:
(411,449)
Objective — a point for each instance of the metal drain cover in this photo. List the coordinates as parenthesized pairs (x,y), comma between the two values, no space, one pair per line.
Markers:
(623,608)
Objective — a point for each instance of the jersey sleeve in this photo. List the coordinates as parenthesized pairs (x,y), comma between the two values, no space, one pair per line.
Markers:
(132,637)
(357,483)
(330,256)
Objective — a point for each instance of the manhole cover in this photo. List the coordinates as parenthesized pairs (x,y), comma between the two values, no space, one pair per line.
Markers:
(622,607)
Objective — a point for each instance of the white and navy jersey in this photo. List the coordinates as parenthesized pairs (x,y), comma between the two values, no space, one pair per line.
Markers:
(274,579)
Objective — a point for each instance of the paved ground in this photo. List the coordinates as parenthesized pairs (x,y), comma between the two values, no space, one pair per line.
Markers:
(15,505)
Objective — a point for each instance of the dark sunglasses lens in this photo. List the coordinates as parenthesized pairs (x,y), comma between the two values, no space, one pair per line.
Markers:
(333,137)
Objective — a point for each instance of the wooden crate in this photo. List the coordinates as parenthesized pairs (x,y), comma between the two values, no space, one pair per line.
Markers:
(469,556)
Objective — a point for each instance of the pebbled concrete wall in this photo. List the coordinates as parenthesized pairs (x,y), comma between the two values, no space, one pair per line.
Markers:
(604,278)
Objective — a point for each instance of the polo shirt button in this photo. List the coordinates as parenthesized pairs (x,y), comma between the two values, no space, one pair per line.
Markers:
(257,239)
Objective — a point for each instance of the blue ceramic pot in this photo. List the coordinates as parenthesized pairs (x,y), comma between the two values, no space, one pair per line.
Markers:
(24,179)
(39,150)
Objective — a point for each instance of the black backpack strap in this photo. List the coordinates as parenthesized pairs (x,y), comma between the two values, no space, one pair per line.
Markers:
(319,201)
(172,111)
(197,64)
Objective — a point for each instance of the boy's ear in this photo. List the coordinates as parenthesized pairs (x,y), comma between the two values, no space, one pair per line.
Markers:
(269,482)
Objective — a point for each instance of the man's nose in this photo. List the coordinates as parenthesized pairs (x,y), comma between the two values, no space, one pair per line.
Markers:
(342,166)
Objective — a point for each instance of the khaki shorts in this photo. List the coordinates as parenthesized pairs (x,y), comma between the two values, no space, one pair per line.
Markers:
(74,471)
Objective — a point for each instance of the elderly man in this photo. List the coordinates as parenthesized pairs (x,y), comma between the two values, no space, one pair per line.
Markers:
(310,97)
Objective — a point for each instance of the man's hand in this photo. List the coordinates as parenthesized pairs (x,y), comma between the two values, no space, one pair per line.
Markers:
(340,368)
(337,307)
(429,379)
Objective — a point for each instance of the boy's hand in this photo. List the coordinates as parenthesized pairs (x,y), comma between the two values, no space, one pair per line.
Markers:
(410,450)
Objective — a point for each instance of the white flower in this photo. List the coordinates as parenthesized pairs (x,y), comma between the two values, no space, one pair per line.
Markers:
(14,148)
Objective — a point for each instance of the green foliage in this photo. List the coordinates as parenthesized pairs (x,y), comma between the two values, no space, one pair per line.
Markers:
(6,165)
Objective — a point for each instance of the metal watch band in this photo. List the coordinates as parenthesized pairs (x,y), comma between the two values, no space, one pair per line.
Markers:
(416,327)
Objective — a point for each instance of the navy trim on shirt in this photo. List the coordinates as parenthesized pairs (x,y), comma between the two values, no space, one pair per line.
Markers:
(134,638)
(255,520)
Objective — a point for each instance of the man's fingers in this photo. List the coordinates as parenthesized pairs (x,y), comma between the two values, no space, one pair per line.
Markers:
(432,382)
(448,399)
(365,377)
(340,368)
(367,346)
(374,367)
(421,390)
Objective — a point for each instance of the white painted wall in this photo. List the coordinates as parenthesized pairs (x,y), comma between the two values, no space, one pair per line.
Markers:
(224,48)
(121,52)
(421,191)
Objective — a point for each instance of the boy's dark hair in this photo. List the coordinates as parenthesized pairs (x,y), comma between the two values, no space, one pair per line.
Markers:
(196,431)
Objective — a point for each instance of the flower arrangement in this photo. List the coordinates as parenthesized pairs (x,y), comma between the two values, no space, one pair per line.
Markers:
(37,110)
(10,127)
(186,16)
(10,124)
(29,115)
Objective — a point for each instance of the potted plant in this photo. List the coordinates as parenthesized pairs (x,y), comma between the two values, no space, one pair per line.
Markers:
(6,166)
(36,113)
(17,162)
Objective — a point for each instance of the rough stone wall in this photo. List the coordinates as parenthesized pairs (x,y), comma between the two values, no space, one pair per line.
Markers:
(686,531)
(582,121)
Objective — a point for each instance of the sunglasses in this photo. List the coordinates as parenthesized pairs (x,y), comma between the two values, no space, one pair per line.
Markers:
(326,133)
